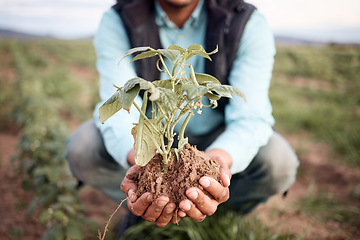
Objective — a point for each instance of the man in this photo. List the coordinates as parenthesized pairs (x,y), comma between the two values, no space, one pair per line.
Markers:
(239,136)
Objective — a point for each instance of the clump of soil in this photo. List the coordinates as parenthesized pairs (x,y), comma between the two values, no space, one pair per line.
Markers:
(181,174)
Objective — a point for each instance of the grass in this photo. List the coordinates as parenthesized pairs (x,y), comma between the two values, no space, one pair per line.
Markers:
(221,226)
(324,207)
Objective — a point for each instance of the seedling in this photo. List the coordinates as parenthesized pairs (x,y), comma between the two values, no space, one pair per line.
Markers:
(172,99)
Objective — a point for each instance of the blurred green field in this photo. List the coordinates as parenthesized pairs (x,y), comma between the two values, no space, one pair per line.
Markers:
(315,92)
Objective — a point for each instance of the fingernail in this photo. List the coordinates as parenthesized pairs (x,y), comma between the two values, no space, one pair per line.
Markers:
(228,180)
(161,203)
(149,198)
(132,195)
(193,194)
(169,210)
(205,182)
(186,206)
(181,214)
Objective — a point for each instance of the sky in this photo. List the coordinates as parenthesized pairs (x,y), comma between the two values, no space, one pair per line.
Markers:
(324,20)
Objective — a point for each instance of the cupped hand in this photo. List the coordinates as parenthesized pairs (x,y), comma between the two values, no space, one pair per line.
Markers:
(199,205)
(158,210)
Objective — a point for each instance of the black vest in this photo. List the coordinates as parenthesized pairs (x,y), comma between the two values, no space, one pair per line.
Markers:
(226,20)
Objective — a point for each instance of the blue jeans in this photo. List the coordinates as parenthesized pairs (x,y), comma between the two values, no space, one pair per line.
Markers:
(272,171)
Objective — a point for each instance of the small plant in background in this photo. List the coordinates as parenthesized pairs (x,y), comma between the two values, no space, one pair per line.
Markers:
(40,159)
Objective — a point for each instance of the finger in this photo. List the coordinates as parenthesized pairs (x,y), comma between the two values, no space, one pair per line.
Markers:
(166,215)
(154,211)
(202,202)
(225,174)
(175,218)
(128,186)
(218,191)
(141,204)
(191,211)
(181,214)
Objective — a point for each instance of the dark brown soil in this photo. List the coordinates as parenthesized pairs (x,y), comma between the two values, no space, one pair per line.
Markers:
(181,175)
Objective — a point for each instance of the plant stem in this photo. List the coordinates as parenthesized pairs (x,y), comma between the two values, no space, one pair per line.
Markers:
(146,118)
(140,126)
(153,110)
(183,126)
(192,75)
(163,62)
(182,64)
(175,65)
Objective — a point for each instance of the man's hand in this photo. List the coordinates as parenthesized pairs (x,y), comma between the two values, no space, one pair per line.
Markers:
(157,210)
(201,205)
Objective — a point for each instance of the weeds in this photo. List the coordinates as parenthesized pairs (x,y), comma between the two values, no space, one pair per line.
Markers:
(37,103)
(221,226)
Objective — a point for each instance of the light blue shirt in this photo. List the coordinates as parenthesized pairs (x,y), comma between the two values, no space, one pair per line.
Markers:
(248,124)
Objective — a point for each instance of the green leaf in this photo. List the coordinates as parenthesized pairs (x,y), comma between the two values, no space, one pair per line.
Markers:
(127,98)
(212,96)
(170,54)
(204,79)
(45,216)
(60,216)
(144,85)
(196,49)
(66,199)
(124,97)
(31,207)
(56,232)
(110,107)
(194,91)
(163,83)
(131,83)
(134,50)
(167,84)
(168,100)
(74,230)
(148,144)
(148,54)
(139,130)
(178,48)
(226,90)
